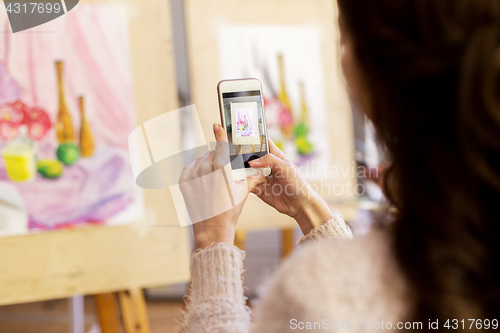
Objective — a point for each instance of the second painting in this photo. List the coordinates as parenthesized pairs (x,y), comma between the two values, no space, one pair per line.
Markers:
(287,60)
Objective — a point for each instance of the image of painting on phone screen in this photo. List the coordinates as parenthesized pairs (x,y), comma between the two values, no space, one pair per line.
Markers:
(244,118)
(245,126)
(244,123)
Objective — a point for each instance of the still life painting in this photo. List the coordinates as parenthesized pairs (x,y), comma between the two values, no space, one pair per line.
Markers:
(244,123)
(287,61)
(66,110)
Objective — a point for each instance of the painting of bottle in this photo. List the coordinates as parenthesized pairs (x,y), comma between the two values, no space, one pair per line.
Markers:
(286,116)
(86,137)
(64,125)
(304,146)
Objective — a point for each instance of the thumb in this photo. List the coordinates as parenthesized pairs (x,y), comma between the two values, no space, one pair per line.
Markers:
(221,153)
(220,133)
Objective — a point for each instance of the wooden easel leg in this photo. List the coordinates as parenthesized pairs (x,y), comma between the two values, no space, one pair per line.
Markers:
(107,312)
(134,311)
(286,242)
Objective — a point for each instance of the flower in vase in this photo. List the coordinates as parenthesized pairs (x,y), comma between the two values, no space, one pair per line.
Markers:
(17,119)
(39,124)
(9,130)
(10,113)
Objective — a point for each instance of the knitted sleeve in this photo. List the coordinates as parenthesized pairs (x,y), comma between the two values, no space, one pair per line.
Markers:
(334,228)
(216,301)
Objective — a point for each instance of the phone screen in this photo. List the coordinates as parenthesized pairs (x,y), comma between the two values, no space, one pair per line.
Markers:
(245,126)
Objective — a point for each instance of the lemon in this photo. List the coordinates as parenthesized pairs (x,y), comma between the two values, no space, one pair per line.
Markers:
(50,168)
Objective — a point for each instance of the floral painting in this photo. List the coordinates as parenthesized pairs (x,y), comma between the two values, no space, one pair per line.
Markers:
(244,122)
(287,60)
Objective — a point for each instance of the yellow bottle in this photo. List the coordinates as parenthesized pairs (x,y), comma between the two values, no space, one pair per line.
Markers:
(287,117)
(304,117)
(304,146)
(86,138)
(64,125)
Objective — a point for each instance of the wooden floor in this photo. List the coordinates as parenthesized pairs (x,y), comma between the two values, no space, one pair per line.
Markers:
(52,316)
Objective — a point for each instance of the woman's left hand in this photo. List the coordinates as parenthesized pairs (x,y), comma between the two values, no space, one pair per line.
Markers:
(220,228)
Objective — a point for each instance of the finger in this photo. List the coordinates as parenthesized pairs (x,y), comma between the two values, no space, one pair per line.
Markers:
(241,189)
(204,157)
(258,190)
(254,181)
(269,161)
(220,133)
(185,174)
(207,156)
(211,161)
(221,153)
(203,165)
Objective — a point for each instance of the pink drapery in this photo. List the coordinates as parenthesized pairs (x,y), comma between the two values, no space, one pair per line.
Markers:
(92,40)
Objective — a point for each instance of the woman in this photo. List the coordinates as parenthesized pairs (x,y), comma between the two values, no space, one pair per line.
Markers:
(427,73)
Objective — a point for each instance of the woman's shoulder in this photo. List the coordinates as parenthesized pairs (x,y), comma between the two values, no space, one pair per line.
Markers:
(356,262)
(348,277)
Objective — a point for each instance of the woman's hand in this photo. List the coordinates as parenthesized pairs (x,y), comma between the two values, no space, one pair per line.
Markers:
(220,228)
(288,192)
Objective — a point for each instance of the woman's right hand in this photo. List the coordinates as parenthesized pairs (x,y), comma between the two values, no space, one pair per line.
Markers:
(288,192)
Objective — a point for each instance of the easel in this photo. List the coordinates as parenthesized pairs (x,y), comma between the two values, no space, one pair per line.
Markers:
(202,41)
(238,149)
(113,263)
(133,309)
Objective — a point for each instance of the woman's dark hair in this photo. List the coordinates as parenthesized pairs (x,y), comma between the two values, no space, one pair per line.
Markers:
(432,69)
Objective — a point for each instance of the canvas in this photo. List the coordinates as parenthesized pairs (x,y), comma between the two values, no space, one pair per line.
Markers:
(287,60)
(245,124)
(66,110)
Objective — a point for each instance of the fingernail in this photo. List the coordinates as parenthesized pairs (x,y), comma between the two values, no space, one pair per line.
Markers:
(216,127)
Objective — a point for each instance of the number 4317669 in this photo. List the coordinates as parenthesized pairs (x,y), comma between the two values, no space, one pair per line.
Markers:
(472,323)
(33,8)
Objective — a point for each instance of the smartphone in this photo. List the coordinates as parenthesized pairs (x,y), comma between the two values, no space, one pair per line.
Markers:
(241,106)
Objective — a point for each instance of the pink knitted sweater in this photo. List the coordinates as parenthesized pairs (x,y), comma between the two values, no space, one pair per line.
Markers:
(333,283)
